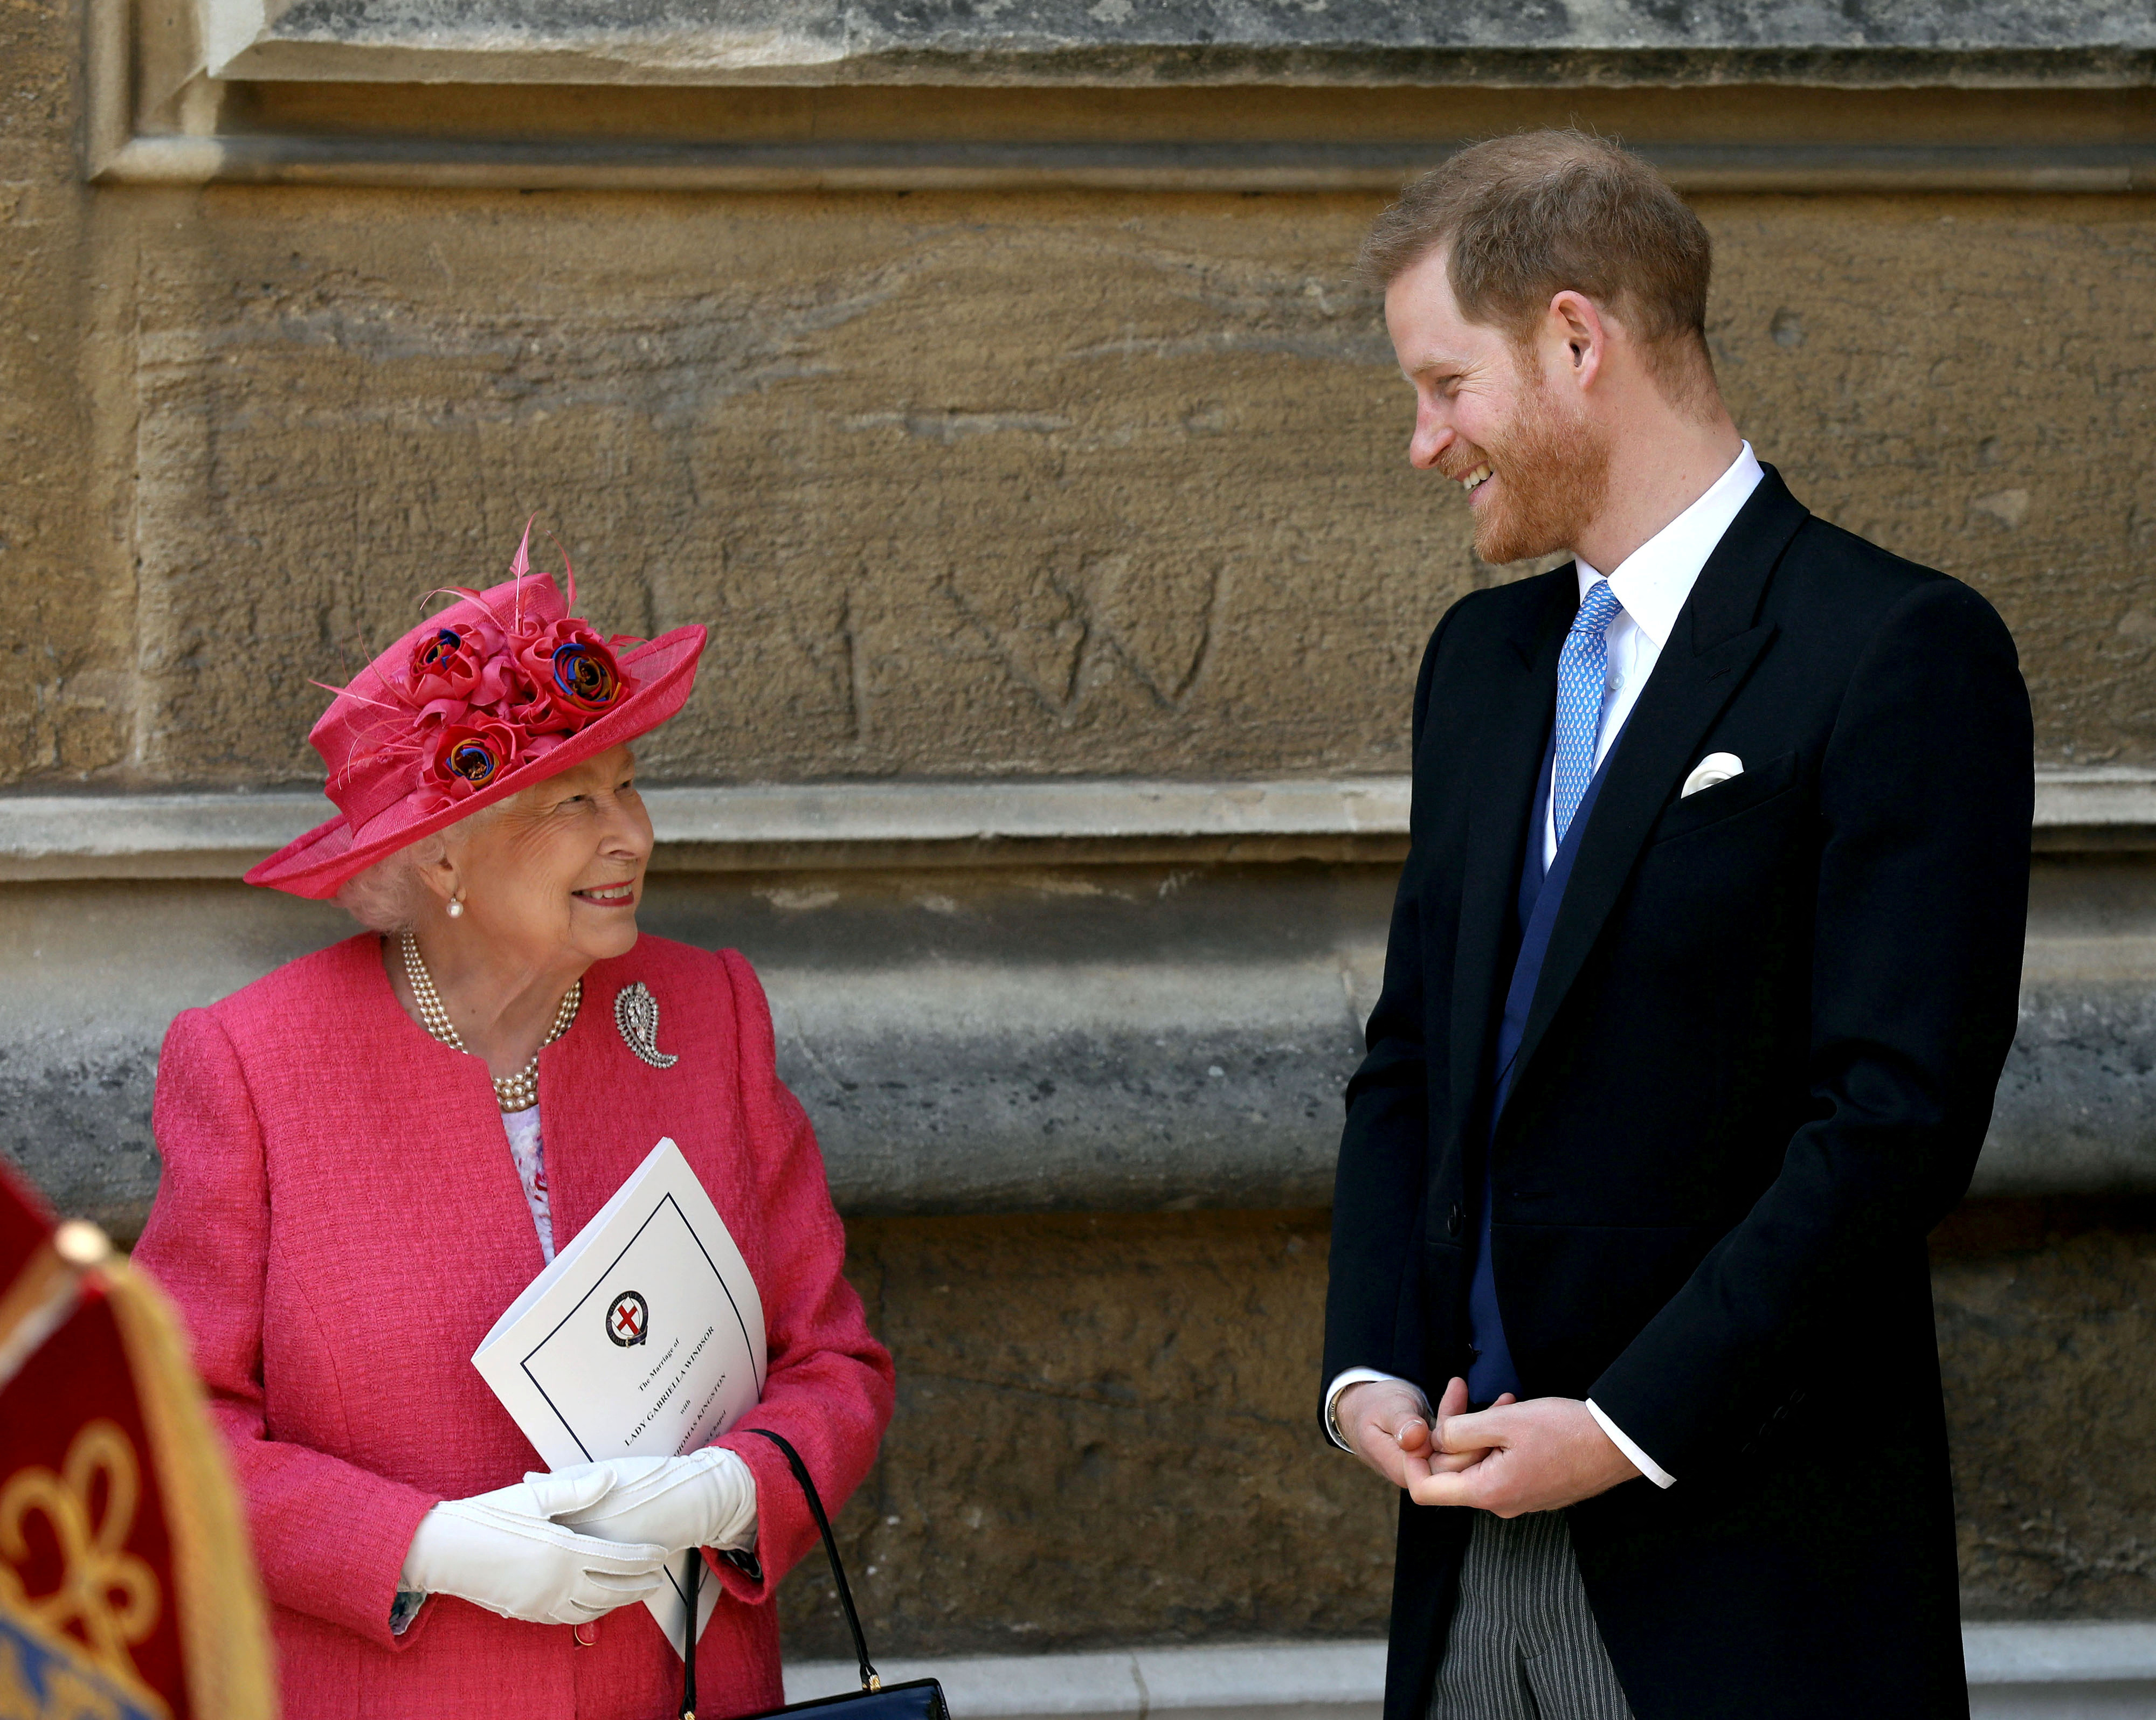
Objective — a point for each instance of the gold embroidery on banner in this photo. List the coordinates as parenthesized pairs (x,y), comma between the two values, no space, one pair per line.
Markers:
(67,1695)
(104,1590)
(215,1595)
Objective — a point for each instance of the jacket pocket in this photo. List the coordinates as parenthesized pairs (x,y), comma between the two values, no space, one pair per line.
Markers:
(1726,800)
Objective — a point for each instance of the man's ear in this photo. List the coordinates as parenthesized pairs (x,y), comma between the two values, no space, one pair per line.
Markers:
(1577,328)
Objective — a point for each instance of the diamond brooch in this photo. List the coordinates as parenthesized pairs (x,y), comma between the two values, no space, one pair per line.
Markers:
(636,1013)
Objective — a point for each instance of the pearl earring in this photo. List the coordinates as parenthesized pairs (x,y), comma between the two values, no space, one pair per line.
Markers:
(456,908)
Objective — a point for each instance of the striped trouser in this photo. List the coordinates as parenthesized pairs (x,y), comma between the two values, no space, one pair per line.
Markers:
(1524,1645)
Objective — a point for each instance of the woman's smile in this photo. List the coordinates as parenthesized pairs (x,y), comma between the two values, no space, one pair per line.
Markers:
(620,895)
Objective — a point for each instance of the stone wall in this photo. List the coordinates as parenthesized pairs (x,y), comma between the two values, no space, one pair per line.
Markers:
(1106,1430)
(2047,1313)
(1105,1435)
(970,484)
(965,486)
(976,483)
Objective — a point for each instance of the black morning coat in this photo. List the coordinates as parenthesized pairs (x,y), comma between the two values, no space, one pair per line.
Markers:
(1757,1069)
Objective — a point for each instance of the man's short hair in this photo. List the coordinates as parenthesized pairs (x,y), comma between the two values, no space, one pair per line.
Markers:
(1525,217)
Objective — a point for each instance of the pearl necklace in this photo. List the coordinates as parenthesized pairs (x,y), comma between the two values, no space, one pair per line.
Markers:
(513,1092)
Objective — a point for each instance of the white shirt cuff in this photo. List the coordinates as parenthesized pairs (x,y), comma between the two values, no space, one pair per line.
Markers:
(1640,1461)
(1356,1376)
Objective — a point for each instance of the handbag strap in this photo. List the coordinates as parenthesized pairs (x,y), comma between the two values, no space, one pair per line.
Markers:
(695,1576)
(869,1680)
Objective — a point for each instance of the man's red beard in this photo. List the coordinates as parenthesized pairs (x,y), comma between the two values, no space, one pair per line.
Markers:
(1552,474)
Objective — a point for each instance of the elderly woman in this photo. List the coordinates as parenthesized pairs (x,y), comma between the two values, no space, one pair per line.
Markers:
(369,1153)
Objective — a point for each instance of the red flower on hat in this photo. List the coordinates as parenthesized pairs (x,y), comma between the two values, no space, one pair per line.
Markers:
(572,675)
(470,755)
(454,669)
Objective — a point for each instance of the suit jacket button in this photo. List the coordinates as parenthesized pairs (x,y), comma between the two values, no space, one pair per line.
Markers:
(1454,1221)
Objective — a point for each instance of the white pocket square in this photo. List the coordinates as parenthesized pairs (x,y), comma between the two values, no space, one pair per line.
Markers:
(1715,767)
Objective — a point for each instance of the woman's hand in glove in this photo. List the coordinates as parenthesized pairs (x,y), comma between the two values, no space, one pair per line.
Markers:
(705,1499)
(500,1551)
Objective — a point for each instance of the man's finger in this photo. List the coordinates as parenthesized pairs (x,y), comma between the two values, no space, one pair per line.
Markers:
(1462,1486)
(1477,1432)
(1413,1435)
(1455,1400)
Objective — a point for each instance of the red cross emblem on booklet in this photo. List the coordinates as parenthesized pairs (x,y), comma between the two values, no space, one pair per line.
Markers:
(628,1320)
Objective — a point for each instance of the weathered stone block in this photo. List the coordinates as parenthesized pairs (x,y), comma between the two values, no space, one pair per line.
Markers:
(2047,1341)
(1107,1433)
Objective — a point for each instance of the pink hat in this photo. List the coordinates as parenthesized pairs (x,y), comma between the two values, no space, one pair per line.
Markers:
(498,691)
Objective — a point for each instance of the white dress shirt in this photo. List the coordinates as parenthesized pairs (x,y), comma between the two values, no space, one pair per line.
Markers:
(1652,583)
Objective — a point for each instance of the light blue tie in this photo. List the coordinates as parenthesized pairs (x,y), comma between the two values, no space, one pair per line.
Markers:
(1582,672)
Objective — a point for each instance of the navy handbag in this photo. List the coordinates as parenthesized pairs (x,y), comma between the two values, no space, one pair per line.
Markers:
(921,1699)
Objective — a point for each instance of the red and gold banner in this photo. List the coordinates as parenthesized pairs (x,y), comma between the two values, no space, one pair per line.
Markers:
(126,1590)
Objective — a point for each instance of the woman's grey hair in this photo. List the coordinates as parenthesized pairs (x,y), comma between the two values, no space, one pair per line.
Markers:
(390,895)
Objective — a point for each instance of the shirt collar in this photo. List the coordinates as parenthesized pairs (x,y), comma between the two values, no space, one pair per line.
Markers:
(1654,581)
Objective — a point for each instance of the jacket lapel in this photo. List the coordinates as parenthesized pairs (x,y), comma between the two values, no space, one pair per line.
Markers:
(1508,745)
(1710,650)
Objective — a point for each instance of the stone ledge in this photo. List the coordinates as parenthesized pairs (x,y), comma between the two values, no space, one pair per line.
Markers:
(784,826)
(1037,996)
(2018,1671)
(1371,169)
(2054,1655)
(1007,1083)
(2108,807)
(776,826)
(1869,42)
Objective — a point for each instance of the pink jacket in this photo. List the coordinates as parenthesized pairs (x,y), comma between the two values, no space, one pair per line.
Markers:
(340,1223)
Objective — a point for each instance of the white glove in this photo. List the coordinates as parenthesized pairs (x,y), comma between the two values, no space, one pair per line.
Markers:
(705,1499)
(499,1551)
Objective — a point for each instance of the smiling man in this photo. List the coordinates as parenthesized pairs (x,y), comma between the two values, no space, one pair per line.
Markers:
(1703,968)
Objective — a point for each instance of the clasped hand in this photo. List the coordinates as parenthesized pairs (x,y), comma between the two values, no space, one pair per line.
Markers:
(705,1499)
(1510,1459)
(567,1548)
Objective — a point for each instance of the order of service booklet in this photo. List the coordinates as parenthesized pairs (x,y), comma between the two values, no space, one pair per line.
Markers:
(643,1338)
